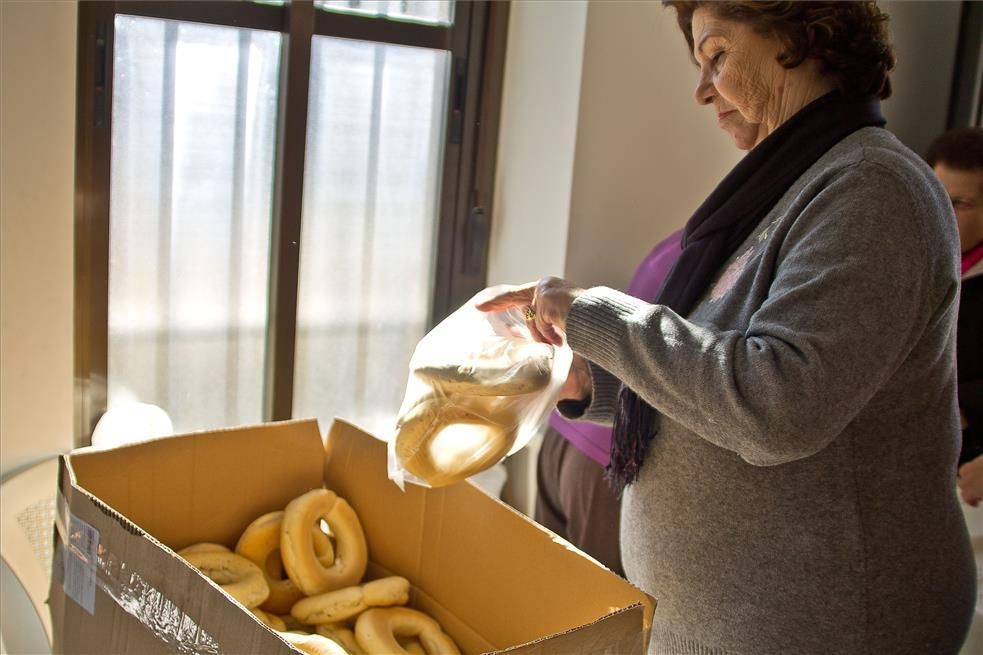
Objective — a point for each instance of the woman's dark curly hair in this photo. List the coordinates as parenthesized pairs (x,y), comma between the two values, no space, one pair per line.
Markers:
(849,38)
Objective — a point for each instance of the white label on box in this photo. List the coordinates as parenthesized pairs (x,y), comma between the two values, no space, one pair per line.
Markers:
(80,563)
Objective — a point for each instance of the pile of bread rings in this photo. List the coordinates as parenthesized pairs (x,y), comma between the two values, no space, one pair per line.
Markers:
(482,395)
(310,590)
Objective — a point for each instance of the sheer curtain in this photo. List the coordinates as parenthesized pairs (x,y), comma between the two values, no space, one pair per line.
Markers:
(193,160)
(375,127)
(194,119)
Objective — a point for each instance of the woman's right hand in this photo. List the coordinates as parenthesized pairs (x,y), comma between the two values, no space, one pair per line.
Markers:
(547,304)
(578,385)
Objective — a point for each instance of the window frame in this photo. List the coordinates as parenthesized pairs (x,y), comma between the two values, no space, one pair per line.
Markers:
(476,42)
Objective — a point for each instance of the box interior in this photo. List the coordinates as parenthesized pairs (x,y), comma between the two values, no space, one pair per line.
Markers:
(490,576)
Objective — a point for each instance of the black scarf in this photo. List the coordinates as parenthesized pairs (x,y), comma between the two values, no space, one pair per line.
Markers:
(724,220)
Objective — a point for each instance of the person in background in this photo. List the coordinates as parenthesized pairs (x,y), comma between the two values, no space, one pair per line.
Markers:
(574,499)
(785,418)
(957,159)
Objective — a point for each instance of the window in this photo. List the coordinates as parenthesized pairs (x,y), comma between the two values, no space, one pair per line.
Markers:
(276,201)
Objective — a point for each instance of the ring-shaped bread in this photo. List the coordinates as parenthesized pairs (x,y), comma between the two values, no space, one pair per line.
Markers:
(445,439)
(260,544)
(204,547)
(237,576)
(270,620)
(341,633)
(377,630)
(342,604)
(313,644)
(412,646)
(300,559)
(293,625)
(517,367)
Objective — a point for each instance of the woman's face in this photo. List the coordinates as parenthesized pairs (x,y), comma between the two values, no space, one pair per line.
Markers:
(965,189)
(742,79)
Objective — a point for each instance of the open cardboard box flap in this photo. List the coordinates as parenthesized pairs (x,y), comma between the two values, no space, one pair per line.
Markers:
(494,579)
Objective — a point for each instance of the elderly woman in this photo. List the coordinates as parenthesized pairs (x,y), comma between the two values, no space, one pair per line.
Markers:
(785,421)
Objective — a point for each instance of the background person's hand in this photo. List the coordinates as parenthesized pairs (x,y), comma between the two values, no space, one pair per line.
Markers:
(549,298)
(971,481)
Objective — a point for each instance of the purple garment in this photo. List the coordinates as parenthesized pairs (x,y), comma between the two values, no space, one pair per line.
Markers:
(595,440)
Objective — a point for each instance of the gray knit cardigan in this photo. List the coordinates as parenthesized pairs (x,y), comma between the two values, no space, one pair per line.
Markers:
(800,494)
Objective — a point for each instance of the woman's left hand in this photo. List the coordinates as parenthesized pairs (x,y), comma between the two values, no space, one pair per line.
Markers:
(549,300)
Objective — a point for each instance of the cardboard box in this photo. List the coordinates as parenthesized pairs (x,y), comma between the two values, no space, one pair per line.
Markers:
(493,579)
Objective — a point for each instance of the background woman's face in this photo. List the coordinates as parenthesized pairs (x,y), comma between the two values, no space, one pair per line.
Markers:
(965,189)
(739,75)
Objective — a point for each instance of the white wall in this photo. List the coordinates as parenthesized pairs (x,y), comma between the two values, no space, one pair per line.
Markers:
(537,136)
(37,141)
(538,126)
(37,138)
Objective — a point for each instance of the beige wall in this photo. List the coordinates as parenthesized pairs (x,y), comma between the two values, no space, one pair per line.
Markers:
(37,138)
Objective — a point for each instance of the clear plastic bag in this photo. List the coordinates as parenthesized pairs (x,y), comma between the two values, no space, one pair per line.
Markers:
(479,389)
